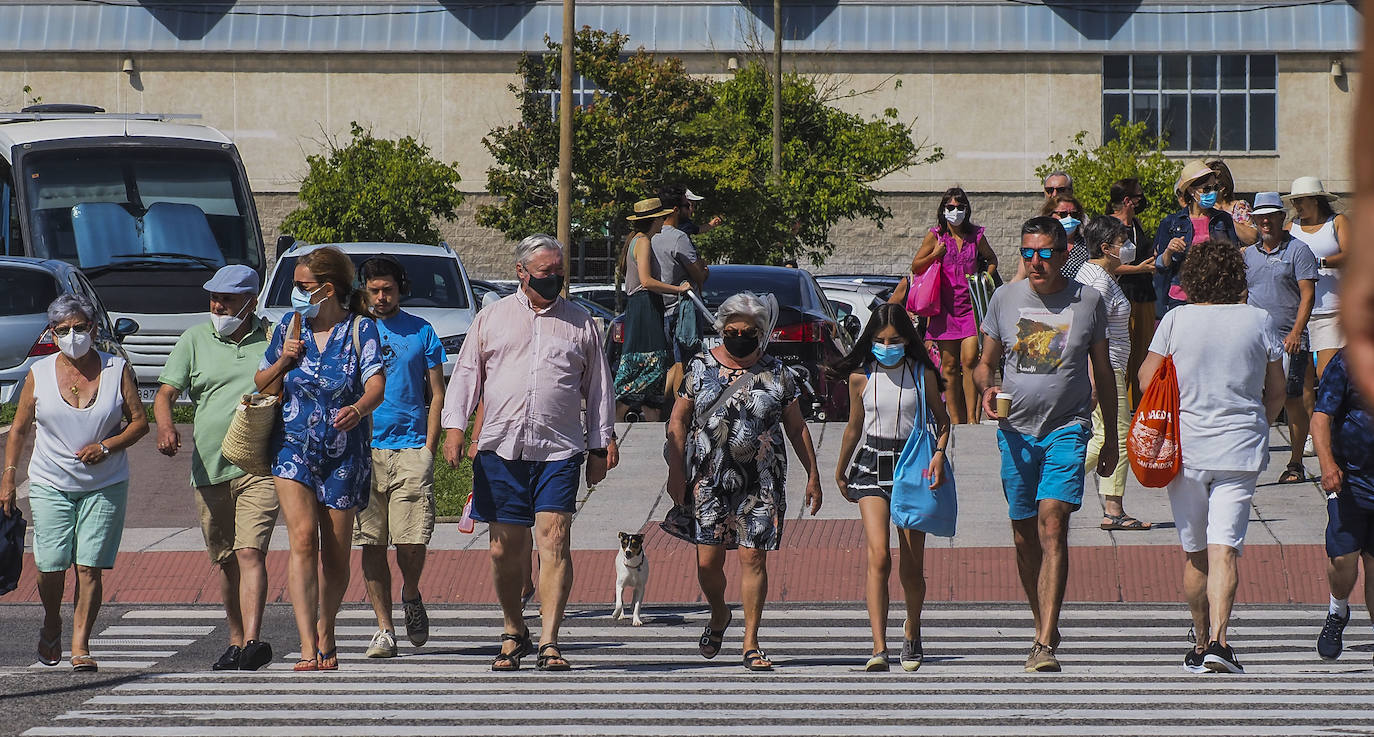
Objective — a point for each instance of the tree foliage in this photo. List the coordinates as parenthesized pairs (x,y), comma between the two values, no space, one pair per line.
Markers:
(1131,154)
(374,189)
(653,124)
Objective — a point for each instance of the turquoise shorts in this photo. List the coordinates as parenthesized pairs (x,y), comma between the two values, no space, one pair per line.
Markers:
(1046,468)
(81,527)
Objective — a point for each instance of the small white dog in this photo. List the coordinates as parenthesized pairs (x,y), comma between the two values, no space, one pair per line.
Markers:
(632,570)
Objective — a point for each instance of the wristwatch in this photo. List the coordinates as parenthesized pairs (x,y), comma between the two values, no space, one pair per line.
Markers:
(1321,262)
(104,450)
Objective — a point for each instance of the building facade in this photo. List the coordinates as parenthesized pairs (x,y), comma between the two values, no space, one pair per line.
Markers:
(999,85)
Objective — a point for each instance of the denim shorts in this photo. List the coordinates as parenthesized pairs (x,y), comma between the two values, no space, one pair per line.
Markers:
(511,492)
(1349,527)
(81,527)
(1047,468)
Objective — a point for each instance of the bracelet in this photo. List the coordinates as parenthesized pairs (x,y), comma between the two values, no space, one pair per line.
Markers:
(356,411)
(11,468)
(939,450)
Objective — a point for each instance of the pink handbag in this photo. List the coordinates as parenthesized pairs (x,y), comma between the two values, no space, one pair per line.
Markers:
(923,292)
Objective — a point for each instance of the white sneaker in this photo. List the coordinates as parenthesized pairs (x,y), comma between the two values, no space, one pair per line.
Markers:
(383,645)
(1307,448)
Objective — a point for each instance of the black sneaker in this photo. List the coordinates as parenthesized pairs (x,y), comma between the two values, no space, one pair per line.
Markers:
(1329,643)
(230,659)
(1192,662)
(256,654)
(417,621)
(1221,659)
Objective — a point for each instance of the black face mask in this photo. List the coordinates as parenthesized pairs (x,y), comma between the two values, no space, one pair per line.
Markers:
(547,287)
(741,346)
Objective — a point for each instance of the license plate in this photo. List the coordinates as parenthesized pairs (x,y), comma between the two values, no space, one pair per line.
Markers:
(147,392)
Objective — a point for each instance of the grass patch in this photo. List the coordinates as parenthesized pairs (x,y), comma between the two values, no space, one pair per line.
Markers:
(181,414)
(7,413)
(451,485)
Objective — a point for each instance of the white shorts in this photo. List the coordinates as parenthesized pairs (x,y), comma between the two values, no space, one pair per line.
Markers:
(1211,507)
(1324,332)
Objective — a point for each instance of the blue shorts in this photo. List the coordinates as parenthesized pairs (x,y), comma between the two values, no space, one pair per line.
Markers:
(1048,468)
(511,492)
(1349,527)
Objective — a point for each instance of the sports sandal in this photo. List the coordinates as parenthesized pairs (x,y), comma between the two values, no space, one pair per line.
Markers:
(1295,473)
(757,660)
(550,662)
(509,661)
(1123,521)
(711,640)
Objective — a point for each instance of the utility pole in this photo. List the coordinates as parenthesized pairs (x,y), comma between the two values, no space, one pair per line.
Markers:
(777,89)
(565,141)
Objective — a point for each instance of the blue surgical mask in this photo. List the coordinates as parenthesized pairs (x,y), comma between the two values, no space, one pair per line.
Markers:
(300,302)
(1208,200)
(1070,224)
(889,355)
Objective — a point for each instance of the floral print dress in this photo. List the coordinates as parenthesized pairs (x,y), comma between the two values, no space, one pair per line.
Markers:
(736,458)
(337,465)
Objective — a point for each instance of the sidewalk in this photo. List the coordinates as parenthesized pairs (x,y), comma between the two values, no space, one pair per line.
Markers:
(162,556)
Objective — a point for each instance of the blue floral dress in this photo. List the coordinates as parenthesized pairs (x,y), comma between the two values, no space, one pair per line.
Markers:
(337,465)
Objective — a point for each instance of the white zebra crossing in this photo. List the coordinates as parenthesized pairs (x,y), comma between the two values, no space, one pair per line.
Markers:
(1121,677)
(137,645)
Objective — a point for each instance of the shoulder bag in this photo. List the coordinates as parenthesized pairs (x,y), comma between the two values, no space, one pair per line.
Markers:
(916,506)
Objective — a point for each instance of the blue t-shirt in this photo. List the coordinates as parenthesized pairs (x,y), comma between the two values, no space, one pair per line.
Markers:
(1352,429)
(410,348)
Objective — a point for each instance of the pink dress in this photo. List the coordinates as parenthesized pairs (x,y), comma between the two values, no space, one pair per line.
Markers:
(956,320)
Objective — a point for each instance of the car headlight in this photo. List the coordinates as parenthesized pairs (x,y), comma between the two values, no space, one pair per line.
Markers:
(452,344)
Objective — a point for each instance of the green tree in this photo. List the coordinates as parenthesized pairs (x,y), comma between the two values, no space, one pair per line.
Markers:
(626,140)
(830,159)
(1130,154)
(374,189)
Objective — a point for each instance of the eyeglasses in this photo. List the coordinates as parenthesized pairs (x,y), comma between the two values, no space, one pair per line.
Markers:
(1206,188)
(749,333)
(64,331)
(1045,254)
(1055,190)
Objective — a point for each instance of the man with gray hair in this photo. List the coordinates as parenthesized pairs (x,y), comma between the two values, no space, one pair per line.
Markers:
(1058,183)
(532,360)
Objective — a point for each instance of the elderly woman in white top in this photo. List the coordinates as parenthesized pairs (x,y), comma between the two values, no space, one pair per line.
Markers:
(85,406)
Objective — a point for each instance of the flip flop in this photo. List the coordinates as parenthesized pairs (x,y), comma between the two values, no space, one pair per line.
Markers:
(1124,521)
(55,644)
(84,664)
(711,640)
(304,665)
(323,656)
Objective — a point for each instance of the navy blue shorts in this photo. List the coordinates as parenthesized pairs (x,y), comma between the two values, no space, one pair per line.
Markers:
(511,492)
(1349,527)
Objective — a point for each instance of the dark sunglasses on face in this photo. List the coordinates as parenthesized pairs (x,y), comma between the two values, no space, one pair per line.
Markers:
(64,330)
(1045,254)
(1062,215)
(1206,188)
(1055,190)
(952,208)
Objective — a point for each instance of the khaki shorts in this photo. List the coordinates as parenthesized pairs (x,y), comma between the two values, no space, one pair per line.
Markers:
(237,514)
(401,510)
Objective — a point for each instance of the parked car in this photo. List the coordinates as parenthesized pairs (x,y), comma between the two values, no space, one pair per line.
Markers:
(488,292)
(602,294)
(27,287)
(808,337)
(440,291)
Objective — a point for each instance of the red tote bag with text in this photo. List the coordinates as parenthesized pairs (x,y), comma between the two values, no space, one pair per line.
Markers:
(1153,443)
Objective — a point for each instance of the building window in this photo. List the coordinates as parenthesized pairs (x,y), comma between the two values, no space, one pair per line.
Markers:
(1199,103)
(584,90)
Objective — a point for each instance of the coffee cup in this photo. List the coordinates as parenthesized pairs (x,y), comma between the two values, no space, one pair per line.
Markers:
(1003,405)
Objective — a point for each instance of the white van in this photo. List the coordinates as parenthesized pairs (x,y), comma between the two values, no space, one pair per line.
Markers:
(147,206)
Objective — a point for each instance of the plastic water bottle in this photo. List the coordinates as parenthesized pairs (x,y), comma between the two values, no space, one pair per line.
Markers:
(465,524)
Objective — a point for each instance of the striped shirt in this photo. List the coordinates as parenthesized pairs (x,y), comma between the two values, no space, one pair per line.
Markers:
(1118,312)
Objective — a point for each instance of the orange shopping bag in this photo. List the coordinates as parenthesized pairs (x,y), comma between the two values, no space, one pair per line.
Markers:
(1152,443)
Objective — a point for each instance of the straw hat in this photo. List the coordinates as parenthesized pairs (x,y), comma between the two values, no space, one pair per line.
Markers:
(1192,172)
(648,209)
(1308,187)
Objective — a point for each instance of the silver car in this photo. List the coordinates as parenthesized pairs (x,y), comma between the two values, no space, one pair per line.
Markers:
(440,292)
(27,287)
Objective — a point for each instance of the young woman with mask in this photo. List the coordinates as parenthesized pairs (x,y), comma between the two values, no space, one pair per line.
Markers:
(1329,237)
(958,246)
(883,396)
(1136,277)
(647,352)
(1198,221)
(1237,208)
(331,378)
(85,407)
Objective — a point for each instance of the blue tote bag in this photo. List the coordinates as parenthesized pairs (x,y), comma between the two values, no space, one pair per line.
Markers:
(916,506)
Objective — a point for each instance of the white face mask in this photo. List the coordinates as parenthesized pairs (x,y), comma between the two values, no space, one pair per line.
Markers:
(1127,253)
(225,325)
(956,217)
(74,345)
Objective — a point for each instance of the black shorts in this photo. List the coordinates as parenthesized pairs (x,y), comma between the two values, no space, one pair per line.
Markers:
(1299,365)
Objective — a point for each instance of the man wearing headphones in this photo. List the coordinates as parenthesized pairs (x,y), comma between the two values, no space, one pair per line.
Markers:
(404,438)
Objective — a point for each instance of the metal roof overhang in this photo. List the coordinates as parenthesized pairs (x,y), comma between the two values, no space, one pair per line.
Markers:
(683,26)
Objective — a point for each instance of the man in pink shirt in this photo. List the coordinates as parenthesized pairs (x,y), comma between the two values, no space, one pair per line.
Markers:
(534,360)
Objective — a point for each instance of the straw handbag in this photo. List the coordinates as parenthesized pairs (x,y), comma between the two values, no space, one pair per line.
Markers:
(246,442)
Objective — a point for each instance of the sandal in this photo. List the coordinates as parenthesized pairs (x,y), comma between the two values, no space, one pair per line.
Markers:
(53,645)
(711,640)
(546,662)
(1123,521)
(84,664)
(1295,473)
(306,664)
(757,660)
(508,661)
(323,656)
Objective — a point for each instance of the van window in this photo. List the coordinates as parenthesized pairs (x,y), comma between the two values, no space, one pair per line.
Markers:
(11,237)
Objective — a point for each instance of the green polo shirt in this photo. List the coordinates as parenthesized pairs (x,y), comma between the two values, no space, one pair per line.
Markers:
(216,373)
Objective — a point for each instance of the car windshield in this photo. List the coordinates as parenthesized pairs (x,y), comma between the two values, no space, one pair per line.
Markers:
(724,282)
(25,291)
(434,281)
(140,206)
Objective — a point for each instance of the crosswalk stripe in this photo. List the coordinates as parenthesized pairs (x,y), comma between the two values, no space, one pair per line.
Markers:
(868,728)
(141,646)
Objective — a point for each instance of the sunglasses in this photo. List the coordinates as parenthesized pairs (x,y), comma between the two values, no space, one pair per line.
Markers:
(952,208)
(750,333)
(1045,254)
(1062,215)
(301,285)
(1206,188)
(64,331)
(1055,190)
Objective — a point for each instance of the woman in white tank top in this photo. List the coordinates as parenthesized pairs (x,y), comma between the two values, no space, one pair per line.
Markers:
(85,407)
(1327,235)
(883,397)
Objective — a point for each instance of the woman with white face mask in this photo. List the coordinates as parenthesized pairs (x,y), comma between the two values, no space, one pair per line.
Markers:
(85,407)
(959,248)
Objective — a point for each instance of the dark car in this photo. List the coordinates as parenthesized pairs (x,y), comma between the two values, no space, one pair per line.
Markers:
(807,338)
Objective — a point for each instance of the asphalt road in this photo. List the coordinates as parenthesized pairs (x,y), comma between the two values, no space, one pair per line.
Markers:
(1121,677)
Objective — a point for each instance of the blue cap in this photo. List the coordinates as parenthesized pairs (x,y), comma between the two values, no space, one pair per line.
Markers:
(1267,203)
(233,279)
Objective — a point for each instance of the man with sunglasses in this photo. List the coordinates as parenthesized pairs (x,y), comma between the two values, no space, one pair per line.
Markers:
(1058,183)
(1199,220)
(1048,327)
